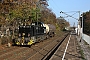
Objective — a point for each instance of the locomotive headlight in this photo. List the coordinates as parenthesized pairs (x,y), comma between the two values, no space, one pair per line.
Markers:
(19,35)
(28,35)
(37,28)
(23,34)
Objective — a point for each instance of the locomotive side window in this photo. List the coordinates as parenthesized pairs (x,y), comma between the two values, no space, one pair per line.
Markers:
(21,29)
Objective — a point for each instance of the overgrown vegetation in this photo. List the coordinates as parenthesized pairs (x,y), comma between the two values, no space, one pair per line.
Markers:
(16,12)
(82,53)
(86,22)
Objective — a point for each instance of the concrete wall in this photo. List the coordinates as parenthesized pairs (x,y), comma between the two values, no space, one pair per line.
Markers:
(86,38)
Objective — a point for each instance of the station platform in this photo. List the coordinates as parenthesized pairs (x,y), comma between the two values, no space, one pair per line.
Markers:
(69,50)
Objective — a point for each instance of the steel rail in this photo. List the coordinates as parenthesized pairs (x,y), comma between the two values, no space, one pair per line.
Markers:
(53,50)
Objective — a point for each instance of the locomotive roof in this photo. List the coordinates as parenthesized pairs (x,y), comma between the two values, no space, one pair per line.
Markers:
(38,23)
(24,26)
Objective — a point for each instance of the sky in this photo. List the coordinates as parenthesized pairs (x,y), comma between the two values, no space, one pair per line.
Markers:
(70,7)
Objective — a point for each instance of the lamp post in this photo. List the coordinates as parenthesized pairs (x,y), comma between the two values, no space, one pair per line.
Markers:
(81,27)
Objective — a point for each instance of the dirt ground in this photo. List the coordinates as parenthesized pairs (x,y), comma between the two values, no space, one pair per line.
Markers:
(85,47)
(2,47)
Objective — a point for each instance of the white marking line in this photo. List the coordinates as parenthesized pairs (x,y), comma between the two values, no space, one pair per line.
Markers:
(66,48)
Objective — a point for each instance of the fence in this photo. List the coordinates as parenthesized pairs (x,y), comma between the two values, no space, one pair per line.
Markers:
(86,38)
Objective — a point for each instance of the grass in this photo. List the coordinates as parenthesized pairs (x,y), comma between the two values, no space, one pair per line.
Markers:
(82,54)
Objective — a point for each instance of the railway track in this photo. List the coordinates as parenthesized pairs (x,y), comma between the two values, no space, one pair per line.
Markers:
(68,50)
(40,51)
(52,51)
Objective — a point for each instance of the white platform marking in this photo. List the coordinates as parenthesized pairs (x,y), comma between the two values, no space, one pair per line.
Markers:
(66,48)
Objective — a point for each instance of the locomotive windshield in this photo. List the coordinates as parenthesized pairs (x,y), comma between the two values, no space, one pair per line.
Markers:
(24,29)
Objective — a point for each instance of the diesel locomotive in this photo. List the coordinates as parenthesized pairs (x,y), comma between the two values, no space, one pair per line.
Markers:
(36,32)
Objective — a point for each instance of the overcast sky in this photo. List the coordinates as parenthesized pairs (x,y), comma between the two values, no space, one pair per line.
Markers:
(70,7)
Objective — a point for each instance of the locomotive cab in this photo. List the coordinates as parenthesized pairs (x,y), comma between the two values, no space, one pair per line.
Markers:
(36,32)
(24,35)
(29,34)
(39,31)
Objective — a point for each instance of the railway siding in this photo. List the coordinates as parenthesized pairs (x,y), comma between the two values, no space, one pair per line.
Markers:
(44,51)
(24,53)
(41,51)
(72,53)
